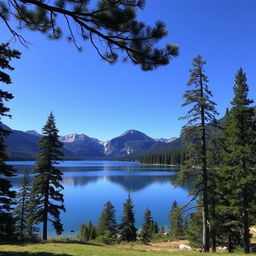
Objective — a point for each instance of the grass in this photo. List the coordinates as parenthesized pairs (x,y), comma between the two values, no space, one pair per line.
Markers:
(75,249)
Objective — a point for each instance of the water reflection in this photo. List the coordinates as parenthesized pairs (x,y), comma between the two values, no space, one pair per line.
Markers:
(131,178)
(89,184)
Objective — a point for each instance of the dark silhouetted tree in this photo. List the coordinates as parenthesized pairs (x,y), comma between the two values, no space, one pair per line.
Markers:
(7,195)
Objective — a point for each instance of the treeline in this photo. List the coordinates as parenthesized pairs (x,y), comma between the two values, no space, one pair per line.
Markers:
(108,231)
(174,157)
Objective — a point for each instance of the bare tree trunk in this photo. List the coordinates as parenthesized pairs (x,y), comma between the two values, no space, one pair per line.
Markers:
(205,210)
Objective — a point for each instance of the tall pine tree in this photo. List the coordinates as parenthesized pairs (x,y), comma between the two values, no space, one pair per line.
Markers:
(7,195)
(127,227)
(196,132)
(46,197)
(238,171)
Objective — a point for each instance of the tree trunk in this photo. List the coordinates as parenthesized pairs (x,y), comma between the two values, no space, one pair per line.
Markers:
(205,210)
(213,234)
(230,249)
(45,216)
(205,214)
(22,212)
(246,233)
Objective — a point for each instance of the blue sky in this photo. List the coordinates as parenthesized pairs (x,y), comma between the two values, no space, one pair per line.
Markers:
(90,96)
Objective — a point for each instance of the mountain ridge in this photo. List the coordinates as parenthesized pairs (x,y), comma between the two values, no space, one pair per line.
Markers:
(24,145)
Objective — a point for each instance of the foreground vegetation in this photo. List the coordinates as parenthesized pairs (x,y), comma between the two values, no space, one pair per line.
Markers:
(66,249)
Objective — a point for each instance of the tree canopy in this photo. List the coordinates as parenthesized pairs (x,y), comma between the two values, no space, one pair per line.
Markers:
(111,26)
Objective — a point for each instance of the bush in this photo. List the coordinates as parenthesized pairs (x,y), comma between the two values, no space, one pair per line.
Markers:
(106,238)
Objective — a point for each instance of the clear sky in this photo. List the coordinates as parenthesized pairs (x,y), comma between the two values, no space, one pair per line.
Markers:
(90,96)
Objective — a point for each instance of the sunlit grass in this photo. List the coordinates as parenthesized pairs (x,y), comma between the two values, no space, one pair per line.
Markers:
(74,249)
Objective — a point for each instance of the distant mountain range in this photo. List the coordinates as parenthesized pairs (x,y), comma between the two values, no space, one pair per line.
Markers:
(24,145)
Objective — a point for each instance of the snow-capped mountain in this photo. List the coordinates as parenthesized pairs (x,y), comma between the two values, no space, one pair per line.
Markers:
(165,140)
(24,145)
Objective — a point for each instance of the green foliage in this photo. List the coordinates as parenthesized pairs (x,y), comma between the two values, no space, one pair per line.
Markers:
(200,117)
(87,232)
(107,221)
(7,195)
(127,227)
(111,26)
(46,197)
(106,238)
(193,231)
(175,222)
(148,227)
(238,174)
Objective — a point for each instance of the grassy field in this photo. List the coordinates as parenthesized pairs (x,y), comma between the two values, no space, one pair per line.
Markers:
(72,249)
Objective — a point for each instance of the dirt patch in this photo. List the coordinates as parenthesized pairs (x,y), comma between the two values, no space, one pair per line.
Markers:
(170,246)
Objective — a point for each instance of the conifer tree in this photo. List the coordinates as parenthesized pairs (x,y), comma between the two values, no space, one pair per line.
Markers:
(21,212)
(127,227)
(7,195)
(107,221)
(46,197)
(147,229)
(238,170)
(110,26)
(196,133)
(176,222)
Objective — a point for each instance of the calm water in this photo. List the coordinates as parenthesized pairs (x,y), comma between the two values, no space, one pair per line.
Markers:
(89,184)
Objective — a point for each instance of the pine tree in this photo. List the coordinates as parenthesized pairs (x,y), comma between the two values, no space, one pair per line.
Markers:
(21,212)
(7,195)
(238,170)
(147,229)
(107,221)
(176,222)
(127,227)
(46,197)
(196,132)
(110,26)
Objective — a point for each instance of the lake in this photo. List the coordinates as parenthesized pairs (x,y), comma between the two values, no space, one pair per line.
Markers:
(89,184)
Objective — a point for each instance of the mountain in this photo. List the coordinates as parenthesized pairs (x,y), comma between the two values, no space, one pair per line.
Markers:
(33,132)
(130,142)
(82,146)
(24,145)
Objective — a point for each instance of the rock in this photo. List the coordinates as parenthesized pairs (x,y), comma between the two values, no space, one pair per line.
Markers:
(185,247)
